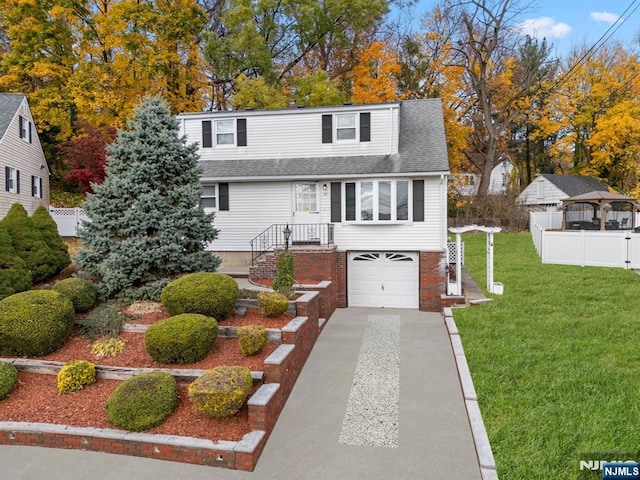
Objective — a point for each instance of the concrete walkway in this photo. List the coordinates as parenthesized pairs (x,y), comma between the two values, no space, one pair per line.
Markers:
(421,421)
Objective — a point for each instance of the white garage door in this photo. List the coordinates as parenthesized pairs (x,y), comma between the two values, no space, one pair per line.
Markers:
(383,279)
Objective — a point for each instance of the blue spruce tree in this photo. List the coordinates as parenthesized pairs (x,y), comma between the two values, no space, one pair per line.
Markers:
(145,225)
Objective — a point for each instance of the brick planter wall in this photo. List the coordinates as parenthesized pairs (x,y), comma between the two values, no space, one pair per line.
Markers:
(432,280)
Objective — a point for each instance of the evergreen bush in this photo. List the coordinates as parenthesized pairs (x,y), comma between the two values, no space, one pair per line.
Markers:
(144,222)
(207,293)
(272,304)
(34,323)
(41,261)
(283,281)
(143,401)
(75,375)
(252,339)
(185,338)
(8,379)
(105,320)
(221,391)
(82,293)
(49,232)
(14,274)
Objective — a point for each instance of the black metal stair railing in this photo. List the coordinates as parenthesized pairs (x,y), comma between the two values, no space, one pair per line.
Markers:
(275,236)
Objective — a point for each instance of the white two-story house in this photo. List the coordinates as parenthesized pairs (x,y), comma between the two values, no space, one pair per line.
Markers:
(361,188)
(23,168)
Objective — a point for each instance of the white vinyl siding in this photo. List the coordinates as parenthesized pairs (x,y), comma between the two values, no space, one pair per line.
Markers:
(26,157)
(296,133)
(541,192)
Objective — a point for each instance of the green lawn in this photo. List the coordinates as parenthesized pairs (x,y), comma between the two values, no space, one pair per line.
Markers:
(555,360)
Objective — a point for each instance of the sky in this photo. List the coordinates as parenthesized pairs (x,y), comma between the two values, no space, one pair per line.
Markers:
(566,23)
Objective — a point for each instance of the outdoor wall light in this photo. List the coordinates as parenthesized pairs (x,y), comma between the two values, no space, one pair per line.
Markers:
(287,236)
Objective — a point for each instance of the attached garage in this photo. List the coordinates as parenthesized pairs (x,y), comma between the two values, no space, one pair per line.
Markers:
(383,279)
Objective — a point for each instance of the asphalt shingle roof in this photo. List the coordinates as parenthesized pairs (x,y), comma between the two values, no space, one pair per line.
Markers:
(9,103)
(422,149)
(574,185)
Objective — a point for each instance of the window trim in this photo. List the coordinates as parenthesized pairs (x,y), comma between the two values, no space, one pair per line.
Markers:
(36,186)
(12,175)
(234,132)
(347,210)
(221,197)
(25,128)
(355,128)
(215,197)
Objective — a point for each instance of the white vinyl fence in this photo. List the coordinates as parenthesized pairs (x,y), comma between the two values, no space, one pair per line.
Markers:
(68,220)
(609,248)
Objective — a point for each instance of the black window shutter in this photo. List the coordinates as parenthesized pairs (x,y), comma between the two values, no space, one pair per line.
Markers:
(20,125)
(29,131)
(206,134)
(242,132)
(365,127)
(17,181)
(336,202)
(33,186)
(418,200)
(223,193)
(350,201)
(40,190)
(6,179)
(327,129)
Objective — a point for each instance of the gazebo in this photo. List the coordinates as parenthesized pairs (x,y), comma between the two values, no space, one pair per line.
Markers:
(599,210)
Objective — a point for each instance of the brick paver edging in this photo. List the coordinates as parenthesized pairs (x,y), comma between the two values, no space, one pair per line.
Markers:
(480,437)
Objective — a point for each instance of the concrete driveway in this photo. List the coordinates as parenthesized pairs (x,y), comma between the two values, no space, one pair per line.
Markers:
(379,398)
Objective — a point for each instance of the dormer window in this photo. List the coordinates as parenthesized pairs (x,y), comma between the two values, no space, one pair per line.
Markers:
(226,133)
(346,126)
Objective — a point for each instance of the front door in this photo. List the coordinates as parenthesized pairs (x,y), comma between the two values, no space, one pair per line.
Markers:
(306,213)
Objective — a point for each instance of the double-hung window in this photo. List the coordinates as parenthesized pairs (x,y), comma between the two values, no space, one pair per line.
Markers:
(36,186)
(225,132)
(24,125)
(12,180)
(209,197)
(377,201)
(346,126)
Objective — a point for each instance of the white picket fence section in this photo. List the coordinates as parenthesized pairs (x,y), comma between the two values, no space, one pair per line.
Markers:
(609,248)
(68,220)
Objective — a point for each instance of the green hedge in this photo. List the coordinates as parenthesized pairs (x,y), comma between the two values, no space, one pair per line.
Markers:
(8,379)
(34,323)
(82,293)
(185,338)
(15,276)
(272,304)
(142,402)
(207,293)
(221,392)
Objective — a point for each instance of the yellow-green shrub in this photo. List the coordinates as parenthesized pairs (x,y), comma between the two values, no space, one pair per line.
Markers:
(107,347)
(221,391)
(252,339)
(34,323)
(272,304)
(143,401)
(82,293)
(75,375)
(185,338)
(207,293)
(8,378)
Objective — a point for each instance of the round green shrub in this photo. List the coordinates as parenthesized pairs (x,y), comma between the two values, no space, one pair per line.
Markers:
(34,323)
(252,339)
(82,293)
(272,304)
(75,375)
(143,401)
(208,293)
(185,338)
(8,378)
(221,392)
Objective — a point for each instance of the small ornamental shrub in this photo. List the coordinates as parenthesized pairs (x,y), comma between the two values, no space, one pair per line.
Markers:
(221,392)
(82,293)
(105,320)
(207,293)
(283,281)
(272,304)
(29,245)
(34,323)
(252,339)
(48,229)
(107,347)
(14,274)
(8,378)
(143,401)
(185,338)
(75,375)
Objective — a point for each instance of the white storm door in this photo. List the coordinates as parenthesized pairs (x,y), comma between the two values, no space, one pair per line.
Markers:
(306,203)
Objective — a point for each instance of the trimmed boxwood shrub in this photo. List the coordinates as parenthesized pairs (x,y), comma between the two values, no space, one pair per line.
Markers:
(75,375)
(143,401)
(185,338)
(48,229)
(82,293)
(272,304)
(14,274)
(8,378)
(34,323)
(221,391)
(208,293)
(252,339)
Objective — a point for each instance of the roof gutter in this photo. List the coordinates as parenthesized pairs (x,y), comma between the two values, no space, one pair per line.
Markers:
(320,177)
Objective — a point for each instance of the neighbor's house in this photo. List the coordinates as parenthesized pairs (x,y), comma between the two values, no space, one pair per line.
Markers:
(363,189)
(467,184)
(22,162)
(547,191)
